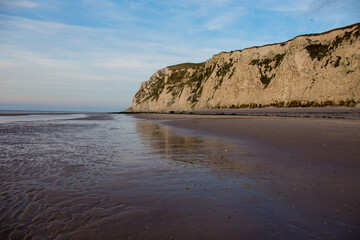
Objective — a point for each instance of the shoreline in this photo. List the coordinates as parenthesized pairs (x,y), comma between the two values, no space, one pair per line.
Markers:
(304,112)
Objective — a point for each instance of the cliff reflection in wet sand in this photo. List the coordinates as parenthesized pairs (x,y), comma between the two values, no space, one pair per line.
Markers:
(123,178)
(188,149)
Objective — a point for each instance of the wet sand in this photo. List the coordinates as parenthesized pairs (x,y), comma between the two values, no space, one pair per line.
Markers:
(312,164)
(179,177)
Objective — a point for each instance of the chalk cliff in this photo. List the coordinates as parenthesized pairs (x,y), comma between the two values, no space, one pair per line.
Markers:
(309,70)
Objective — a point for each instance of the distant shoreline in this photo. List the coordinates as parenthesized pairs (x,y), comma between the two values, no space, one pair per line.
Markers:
(45,113)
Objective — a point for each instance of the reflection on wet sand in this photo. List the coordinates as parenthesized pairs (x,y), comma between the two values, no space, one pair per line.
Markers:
(189,149)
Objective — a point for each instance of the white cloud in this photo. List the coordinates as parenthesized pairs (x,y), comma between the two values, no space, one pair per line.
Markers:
(223,19)
(284,5)
(129,63)
(289,9)
(20,3)
(218,23)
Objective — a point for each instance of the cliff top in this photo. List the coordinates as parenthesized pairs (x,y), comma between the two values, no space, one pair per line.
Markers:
(303,35)
(185,66)
(188,65)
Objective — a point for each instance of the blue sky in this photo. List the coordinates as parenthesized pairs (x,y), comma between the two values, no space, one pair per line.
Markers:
(92,55)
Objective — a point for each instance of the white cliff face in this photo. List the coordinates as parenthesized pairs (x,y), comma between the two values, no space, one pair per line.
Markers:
(309,70)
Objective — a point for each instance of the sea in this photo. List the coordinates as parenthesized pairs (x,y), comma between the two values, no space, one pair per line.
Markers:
(114,176)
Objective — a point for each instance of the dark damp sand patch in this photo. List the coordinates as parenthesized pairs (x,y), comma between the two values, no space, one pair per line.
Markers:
(312,163)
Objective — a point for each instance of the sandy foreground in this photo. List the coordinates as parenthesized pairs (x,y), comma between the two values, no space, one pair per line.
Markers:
(177,176)
(312,163)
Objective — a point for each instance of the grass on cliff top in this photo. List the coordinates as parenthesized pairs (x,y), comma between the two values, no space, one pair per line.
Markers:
(186,65)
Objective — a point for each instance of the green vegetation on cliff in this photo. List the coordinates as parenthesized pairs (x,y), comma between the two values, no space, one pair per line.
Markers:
(187,75)
(293,103)
(319,51)
(223,71)
(266,65)
(186,66)
(157,90)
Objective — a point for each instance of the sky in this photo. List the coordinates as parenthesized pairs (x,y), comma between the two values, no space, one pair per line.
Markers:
(92,55)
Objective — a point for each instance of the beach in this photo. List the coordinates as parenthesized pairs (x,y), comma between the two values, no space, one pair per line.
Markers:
(177,176)
(312,163)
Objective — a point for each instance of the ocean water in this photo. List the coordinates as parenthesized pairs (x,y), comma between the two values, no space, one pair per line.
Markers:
(9,119)
(118,177)
(38,111)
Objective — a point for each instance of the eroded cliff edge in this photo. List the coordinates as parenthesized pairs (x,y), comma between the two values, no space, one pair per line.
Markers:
(309,70)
